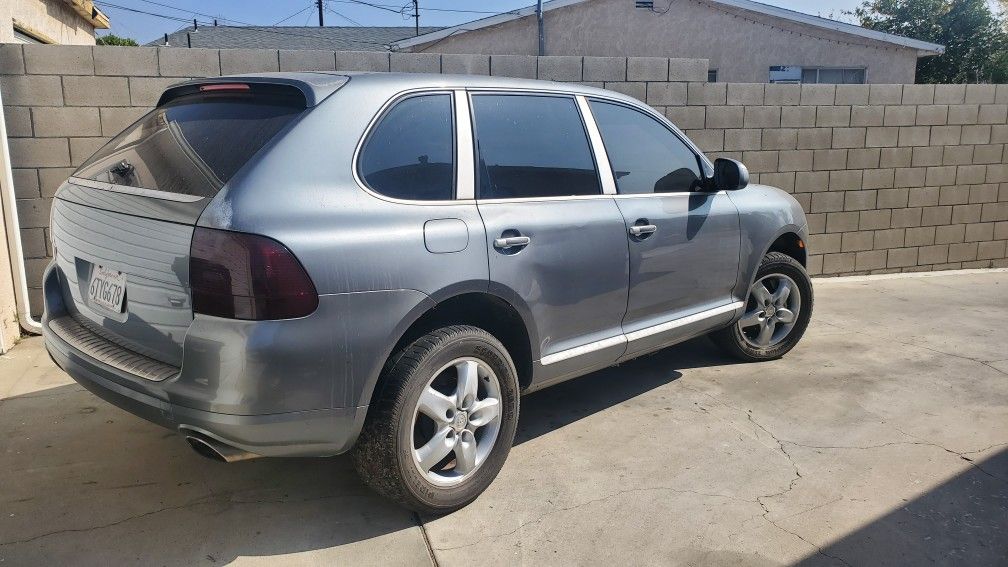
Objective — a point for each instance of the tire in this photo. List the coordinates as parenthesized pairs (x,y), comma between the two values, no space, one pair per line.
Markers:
(396,427)
(746,344)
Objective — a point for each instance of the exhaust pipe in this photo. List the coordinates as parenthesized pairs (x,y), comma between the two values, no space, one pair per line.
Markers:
(213,449)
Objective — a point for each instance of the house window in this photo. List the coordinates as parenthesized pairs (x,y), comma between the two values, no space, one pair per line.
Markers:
(712,75)
(824,75)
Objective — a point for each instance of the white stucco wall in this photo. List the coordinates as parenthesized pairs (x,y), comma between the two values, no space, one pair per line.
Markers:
(741,45)
(54,20)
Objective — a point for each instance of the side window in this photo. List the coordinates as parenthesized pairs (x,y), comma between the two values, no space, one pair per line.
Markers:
(410,153)
(532,146)
(646,157)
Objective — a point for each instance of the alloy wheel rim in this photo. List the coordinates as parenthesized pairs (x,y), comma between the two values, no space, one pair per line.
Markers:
(772,309)
(456,421)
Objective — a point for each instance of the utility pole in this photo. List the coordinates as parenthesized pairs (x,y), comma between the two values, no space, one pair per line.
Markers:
(416,16)
(542,31)
(319,4)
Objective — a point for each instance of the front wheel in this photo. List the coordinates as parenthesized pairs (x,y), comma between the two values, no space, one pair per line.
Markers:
(777,311)
(443,423)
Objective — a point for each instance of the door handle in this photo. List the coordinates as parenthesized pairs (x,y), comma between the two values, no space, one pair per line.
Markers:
(511,242)
(642,230)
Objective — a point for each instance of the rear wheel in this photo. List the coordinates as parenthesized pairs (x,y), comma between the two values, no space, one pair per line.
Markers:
(777,311)
(443,424)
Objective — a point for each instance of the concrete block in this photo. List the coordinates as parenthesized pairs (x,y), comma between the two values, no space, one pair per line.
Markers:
(946,135)
(26,183)
(779,138)
(851,94)
(786,181)
(918,94)
(685,70)
(845,180)
(58,60)
(980,94)
(816,221)
(415,62)
(870,260)
(889,238)
(666,94)
(33,243)
(783,95)
(976,232)
(54,122)
(27,90)
(746,94)
(893,198)
(185,62)
(997,174)
(239,61)
(909,176)
(920,236)
(636,90)
(708,140)
(963,113)
(115,119)
(762,117)
(932,254)
(145,91)
(829,159)
(895,157)
(362,61)
(878,179)
(96,91)
(796,160)
(687,116)
(815,265)
(815,138)
(83,148)
(934,216)
(743,139)
(521,66)
(969,174)
(881,136)
(643,68)
(953,195)
(914,135)
(857,241)
(51,178)
(842,221)
(932,115)
(863,158)
(127,61)
(849,137)
(11,59)
(760,161)
(39,152)
(827,202)
(874,219)
(987,193)
(940,175)
(601,68)
(901,257)
(707,94)
(885,94)
(833,116)
(950,233)
(838,263)
(993,114)
(992,212)
(33,213)
(307,60)
(950,94)
(957,155)
(867,115)
(797,116)
(818,94)
(923,197)
(461,64)
(924,156)
(1001,231)
(899,115)
(962,252)
(564,68)
(725,116)
(18,121)
(976,134)
(825,243)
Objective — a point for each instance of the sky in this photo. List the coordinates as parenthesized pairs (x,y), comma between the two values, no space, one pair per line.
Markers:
(166,16)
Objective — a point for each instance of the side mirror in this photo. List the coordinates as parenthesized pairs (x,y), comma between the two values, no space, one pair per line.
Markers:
(730,175)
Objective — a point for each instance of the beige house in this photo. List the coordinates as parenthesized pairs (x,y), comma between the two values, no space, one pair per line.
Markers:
(69,22)
(745,41)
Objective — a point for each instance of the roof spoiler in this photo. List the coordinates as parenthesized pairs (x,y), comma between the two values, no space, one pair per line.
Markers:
(312,91)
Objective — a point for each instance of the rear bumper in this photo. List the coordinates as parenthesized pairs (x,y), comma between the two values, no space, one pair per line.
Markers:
(303,433)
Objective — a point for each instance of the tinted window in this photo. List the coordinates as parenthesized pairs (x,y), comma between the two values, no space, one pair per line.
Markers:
(194,144)
(646,157)
(532,146)
(410,154)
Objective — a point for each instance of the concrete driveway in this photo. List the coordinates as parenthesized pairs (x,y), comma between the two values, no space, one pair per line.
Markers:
(883,438)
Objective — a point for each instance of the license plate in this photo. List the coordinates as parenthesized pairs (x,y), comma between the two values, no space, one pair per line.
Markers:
(107,288)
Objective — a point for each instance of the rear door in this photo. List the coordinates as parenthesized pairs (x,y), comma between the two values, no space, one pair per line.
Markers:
(683,239)
(555,243)
(122,225)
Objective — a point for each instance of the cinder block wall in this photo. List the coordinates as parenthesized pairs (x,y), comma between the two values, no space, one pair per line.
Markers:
(893,177)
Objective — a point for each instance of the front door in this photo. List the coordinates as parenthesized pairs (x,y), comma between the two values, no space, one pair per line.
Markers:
(557,246)
(683,240)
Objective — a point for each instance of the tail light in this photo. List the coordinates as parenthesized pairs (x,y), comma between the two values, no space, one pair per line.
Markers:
(247,276)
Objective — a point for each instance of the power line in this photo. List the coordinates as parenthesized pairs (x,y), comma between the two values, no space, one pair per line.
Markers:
(347,18)
(402,9)
(278,22)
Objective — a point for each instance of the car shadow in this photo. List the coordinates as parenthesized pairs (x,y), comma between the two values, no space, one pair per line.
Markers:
(85,481)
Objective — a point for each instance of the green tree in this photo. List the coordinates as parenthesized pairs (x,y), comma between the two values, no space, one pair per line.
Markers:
(112,39)
(975,40)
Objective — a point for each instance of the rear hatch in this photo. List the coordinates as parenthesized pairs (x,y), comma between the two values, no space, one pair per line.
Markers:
(122,225)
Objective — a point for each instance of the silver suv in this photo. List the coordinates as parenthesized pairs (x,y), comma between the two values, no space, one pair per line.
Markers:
(311,264)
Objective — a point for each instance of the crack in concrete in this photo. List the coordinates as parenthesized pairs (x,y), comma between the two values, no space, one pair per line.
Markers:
(423,532)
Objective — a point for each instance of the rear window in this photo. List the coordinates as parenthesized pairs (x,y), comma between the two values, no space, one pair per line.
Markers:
(192,145)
